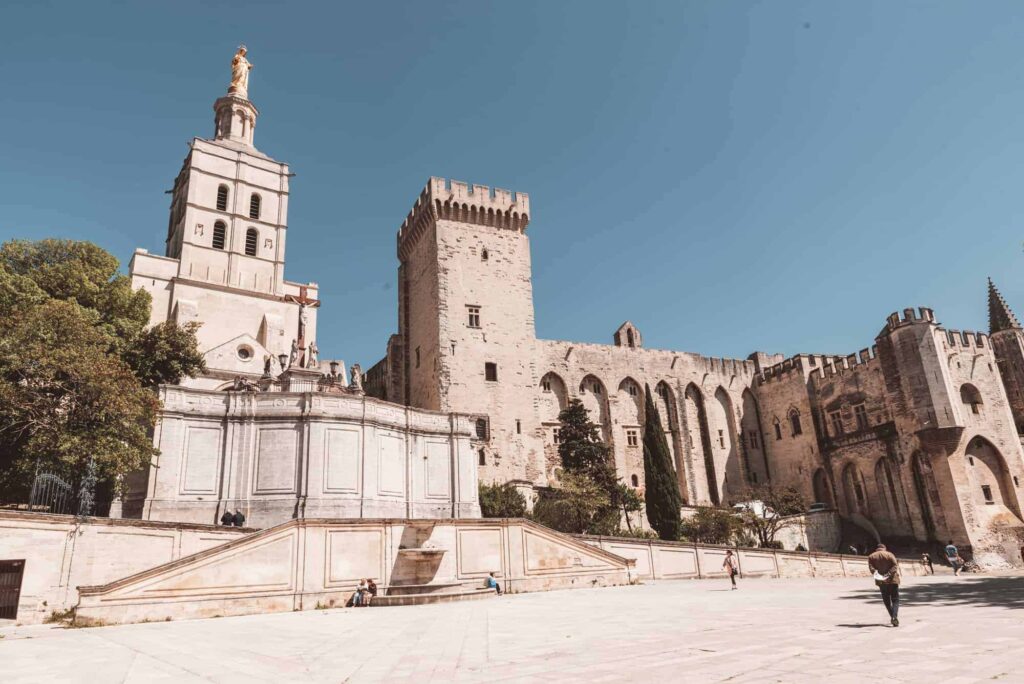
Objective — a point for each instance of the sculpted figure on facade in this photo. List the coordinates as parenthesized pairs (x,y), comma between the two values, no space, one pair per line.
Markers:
(312,360)
(293,356)
(357,379)
(240,68)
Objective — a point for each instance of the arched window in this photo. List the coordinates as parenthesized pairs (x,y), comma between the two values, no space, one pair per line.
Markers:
(794,422)
(254,206)
(222,198)
(220,231)
(252,239)
(970,396)
(635,480)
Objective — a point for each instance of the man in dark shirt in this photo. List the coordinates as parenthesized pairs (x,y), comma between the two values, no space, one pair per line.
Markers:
(238,520)
(886,571)
(227,519)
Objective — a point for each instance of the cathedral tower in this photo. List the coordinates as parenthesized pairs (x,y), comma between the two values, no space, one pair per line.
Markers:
(224,255)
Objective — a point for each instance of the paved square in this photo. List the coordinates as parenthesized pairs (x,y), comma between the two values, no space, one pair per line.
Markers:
(954,630)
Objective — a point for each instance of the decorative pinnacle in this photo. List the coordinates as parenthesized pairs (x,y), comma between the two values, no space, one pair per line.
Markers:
(999,315)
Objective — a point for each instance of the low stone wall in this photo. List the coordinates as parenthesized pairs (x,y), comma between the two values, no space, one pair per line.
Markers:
(657,559)
(303,564)
(62,552)
(819,531)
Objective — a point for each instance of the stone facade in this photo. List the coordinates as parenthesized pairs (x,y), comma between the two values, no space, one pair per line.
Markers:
(282,455)
(913,438)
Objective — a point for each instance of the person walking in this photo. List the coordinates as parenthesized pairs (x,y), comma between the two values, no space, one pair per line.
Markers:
(886,571)
(926,561)
(953,557)
(731,566)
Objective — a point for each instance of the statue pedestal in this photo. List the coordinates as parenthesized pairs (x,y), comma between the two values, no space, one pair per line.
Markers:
(299,380)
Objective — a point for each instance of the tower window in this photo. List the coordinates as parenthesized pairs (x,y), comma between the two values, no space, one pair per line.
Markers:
(481,428)
(794,421)
(837,423)
(778,430)
(635,480)
(631,438)
(222,198)
(721,438)
(491,371)
(252,240)
(986,491)
(220,231)
(861,414)
(417,357)
(474,316)
(483,457)
(254,206)
(545,385)
(484,256)
(519,427)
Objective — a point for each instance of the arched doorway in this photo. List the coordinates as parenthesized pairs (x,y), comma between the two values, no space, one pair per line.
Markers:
(822,490)
(665,401)
(988,476)
(753,440)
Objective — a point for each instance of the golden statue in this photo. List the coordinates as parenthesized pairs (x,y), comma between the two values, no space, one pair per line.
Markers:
(240,68)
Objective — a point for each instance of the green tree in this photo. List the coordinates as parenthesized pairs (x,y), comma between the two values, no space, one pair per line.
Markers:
(768,509)
(76,359)
(630,501)
(501,501)
(661,488)
(709,525)
(581,448)
(578,506)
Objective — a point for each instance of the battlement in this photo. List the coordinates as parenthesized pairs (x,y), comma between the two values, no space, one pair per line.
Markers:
(910,316)
(457,201)
(819,366)
(968,339)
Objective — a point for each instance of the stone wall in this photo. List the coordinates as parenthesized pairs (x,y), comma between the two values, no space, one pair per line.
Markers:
(658,560)
(820,532)
(303,564)
(62,552)
(282,455)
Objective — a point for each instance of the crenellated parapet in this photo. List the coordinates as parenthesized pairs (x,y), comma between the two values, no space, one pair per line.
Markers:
(863,360)
(444,199)
(910,316)
(966,339)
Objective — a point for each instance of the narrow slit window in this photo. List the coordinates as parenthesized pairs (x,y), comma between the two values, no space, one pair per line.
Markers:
(986,491)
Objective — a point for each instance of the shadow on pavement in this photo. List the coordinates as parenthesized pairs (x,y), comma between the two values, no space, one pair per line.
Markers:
(1003,592)
(873,624)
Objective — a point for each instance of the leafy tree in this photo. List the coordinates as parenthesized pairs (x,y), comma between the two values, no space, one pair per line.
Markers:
(660,484)
(501,501)
(578,506)
(76,359)
(709,525)
(580,447)
(630,501)
(773,511)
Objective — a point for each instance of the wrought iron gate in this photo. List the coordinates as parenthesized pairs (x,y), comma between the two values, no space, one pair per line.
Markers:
(11,572)
(51,494)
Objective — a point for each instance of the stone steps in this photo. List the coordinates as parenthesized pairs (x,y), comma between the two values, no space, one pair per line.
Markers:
(431,597)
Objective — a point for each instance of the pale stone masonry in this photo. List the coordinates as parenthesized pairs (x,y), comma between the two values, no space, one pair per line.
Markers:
(914,439)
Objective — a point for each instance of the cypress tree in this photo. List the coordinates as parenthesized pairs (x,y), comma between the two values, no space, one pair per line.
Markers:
(662,489)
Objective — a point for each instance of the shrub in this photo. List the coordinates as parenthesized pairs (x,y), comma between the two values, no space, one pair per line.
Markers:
(501,501)
(709,526)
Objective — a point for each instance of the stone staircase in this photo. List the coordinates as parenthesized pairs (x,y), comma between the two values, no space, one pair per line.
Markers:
(422,594)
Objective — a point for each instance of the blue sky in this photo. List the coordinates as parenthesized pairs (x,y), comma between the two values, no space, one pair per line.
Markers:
(731,176)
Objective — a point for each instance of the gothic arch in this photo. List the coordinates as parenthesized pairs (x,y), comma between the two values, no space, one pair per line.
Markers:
(554,397)
(665,401)
(885,487)
(628,419)
(970,397)
(594,396)
(986,468)
(722,422)
(699,446)
(755,458)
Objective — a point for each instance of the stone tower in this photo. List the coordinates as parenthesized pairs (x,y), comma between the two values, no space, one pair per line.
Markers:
(1008,345)
(224,256)
(466,326)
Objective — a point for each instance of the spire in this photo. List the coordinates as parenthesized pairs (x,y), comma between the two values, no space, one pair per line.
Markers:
(999,315)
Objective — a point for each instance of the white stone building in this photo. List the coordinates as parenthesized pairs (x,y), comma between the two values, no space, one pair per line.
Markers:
(267,430)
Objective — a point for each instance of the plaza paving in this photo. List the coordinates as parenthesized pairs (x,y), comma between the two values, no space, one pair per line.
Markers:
(963,629)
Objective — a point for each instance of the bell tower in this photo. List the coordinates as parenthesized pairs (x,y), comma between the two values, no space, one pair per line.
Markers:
(1007,339)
